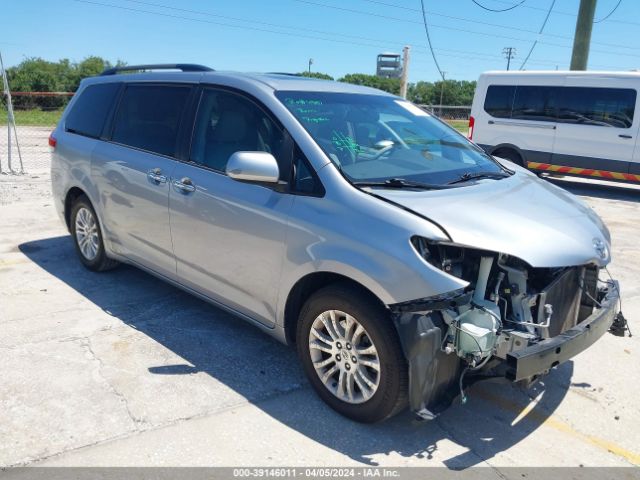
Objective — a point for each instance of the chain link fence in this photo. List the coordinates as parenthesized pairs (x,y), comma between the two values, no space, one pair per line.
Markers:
(25,157)
(449,112)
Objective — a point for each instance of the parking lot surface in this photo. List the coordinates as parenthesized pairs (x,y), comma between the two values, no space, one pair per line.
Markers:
(121,369)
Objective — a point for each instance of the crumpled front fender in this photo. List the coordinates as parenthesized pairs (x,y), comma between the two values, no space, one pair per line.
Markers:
(432,373)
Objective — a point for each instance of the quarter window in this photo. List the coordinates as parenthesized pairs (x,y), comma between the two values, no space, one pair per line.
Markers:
(227,123)
(149,116)
(90,110)
(305,181)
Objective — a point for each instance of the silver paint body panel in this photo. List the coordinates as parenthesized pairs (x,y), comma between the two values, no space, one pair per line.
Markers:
(244,246)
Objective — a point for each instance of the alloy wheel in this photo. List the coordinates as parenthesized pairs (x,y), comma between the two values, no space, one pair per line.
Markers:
(344,356)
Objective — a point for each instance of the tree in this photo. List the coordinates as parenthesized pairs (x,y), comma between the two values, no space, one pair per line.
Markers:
(322,76)
(421,92)
(455,92)
(39,75)
(391,85)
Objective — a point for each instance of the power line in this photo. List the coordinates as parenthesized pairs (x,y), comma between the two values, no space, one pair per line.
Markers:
(414,45)
(462,19)
(332,35)
(495,10)
(464,30)
(426,29)
(539,33)
(244,27)
(568,14)
(378,41)
(497,25)
(610,13)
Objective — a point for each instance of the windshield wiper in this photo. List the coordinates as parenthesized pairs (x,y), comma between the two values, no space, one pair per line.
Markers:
(465,177)
(401,183)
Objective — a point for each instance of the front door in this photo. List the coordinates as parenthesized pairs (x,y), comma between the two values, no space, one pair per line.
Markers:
(229,236)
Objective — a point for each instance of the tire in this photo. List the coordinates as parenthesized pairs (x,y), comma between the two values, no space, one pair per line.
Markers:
(510,155)
(84,223)
(349,304)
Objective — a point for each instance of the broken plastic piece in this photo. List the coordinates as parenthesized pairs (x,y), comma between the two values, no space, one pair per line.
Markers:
(620,325)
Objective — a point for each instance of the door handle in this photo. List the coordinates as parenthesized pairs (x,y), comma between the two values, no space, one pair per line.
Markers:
(622,135)
(155,175)
(185,185)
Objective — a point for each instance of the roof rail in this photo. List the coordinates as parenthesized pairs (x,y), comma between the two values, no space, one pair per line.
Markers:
(185,67)
(289,74)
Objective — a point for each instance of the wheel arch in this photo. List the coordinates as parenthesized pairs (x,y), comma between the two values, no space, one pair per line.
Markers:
(307,286)
(508,146)
(72,195)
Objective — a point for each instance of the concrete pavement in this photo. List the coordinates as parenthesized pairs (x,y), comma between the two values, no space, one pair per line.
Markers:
(121,369)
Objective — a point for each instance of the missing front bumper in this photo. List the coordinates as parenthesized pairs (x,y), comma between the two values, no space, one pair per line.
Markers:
(539,358)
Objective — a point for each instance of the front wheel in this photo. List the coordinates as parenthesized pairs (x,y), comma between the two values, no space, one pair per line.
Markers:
(351,354)
(87,236)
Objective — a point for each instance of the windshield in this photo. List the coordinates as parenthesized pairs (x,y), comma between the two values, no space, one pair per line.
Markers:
(374,138)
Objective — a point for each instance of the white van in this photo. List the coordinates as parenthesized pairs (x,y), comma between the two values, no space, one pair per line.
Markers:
(573,123)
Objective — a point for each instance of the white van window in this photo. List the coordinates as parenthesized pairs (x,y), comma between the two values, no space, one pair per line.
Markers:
(499,100)
(534,103)
(608,107)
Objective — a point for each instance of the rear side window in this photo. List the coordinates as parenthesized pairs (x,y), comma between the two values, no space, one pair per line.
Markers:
(534,103)
(148,117)
(608,107)
(499,100)
(90,110)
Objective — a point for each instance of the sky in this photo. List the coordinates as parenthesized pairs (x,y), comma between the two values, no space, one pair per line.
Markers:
(342,36)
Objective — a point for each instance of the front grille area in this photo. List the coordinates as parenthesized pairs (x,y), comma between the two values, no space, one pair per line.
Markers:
(564,295)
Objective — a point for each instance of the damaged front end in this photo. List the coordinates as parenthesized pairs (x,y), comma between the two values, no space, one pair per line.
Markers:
(513,319)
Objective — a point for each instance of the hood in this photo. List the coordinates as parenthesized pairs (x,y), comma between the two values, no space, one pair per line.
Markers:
(522,216)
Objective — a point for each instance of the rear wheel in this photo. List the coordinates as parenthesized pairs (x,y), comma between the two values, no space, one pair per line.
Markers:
(510,155)
(351,354)
(87,236)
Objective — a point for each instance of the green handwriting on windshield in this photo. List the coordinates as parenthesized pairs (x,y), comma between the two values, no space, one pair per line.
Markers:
(306,110)
(308,119)
(301,102)
(344,143)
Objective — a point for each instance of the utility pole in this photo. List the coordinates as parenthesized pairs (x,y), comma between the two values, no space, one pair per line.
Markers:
(442,90)
(509,53)
(582,37)
(404,78)
(310,63)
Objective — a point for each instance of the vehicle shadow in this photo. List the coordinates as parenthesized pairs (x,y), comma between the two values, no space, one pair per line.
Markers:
(267,374)
(605,190)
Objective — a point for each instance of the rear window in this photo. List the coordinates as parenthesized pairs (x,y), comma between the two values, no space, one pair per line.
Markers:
(148,117)
(90,110)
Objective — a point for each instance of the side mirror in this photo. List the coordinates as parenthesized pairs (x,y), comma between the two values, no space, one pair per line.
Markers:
(383,144)
(253,167)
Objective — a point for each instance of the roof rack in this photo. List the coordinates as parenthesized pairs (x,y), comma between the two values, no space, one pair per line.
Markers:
(285,73)
(185,67)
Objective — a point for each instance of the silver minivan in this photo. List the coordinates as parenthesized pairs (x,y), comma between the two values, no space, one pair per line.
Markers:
(396,255)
